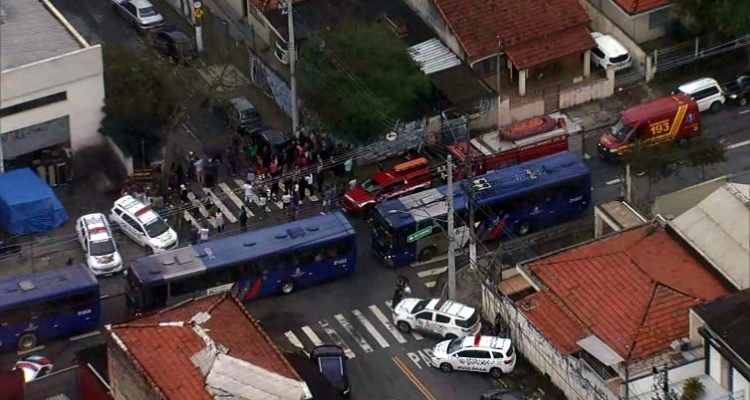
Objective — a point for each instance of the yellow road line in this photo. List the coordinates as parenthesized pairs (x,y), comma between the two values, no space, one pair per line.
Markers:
(409,375)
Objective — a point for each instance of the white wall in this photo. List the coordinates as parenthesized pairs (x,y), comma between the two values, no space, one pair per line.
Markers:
(678,374)
(79,73)
(714,368)
(740,384)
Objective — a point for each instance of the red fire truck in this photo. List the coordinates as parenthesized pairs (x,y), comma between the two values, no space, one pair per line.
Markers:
(522,141)
(404,178)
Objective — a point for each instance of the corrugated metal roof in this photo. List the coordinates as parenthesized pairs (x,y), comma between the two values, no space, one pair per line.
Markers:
(718,228)
(433,56)
(30,33)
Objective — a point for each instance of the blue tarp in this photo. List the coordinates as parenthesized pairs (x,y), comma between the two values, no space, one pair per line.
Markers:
(28,204)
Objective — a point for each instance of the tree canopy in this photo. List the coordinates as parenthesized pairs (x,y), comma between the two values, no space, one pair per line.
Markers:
(361,80)
(142,97)
(729,17)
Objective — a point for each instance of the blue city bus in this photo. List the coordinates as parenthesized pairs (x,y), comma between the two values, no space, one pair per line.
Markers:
(511,201)
(252,264)
(44,305)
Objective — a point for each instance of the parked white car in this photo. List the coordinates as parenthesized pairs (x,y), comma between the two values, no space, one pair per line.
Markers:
(489,354)
(706,92)
(142,224)
(609,53)
(445,318)
(139,13)
(98,243)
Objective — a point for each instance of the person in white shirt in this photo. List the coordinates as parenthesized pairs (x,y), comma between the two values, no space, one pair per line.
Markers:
(248,186)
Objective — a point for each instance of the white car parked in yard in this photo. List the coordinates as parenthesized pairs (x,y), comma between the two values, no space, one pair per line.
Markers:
(97,241)
(142,224)
(491,354)
(609,53)
(446,318)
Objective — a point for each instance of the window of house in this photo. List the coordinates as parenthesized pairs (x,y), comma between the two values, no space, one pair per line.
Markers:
(36,103)
(658,19)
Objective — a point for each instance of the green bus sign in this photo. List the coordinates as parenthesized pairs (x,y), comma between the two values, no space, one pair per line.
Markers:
(419,234)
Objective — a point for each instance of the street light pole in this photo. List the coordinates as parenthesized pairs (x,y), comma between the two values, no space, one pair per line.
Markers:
(451,234)
(292,51)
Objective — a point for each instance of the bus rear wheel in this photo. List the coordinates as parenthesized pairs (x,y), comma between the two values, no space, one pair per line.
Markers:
(27,341)
(287,287)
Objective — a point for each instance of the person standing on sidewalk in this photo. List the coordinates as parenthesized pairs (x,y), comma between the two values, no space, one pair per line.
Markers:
(200,170)
(243,218)
(219,221)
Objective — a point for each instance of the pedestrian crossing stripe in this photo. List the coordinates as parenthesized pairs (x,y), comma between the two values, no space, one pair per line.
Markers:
(336,338)
(387,323)
(312,336)
(371,329)
(220,205)
(354,334)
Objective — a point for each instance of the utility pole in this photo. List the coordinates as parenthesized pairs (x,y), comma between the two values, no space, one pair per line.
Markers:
(198,14)
(451,234)
(292,53)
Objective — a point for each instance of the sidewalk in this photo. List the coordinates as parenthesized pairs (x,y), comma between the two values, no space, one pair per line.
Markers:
(598,114)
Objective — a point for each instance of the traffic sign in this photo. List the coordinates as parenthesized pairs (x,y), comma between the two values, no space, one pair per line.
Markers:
(419,234)
(198,12)
(197,4)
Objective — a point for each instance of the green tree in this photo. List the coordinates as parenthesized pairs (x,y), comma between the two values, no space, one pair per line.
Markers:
(728,17)
(361,80)
(702,152)
(142,98)
(655,162)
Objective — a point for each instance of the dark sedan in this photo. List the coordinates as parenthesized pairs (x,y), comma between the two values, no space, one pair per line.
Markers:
(175,44)
(331,362)
(738,90)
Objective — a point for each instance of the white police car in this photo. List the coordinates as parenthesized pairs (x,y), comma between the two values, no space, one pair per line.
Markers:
(142,224)
(489,354)
(97,241)
(445,318)
(34,367)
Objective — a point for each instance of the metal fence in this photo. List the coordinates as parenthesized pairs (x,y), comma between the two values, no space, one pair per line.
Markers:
(695,50)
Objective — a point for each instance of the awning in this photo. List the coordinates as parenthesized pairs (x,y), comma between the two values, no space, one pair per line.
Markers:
(432,56)
(542,50)
(594,346)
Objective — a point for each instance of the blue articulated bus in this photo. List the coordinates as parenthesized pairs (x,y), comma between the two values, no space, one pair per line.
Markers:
(252,264)
(44,305)
(511,201)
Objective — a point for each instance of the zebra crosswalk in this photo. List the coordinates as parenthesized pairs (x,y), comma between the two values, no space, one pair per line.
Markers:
(357,332)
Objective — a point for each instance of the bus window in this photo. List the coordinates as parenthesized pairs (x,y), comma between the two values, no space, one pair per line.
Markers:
(338,249)
(156,296)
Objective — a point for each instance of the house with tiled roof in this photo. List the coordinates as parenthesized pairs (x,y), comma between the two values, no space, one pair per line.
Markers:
(618,306)
(641,20)
(204,349)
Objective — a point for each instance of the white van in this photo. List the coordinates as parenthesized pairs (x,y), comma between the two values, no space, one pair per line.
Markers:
(445,318)
(706,92)
(609,53)
(142,224)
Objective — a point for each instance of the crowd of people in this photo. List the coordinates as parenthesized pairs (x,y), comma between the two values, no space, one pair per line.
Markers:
(287,173)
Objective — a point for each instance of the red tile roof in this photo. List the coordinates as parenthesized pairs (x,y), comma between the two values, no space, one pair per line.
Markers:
(639,6)
(481,24)
(632,290)
(164,351)
(542,50)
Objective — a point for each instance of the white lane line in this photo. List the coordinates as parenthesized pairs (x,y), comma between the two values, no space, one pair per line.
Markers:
(189,217)
(353,333)
(336,338)
(432,272)
(84,335)
(312,336)
(294,340)
(740,144)
(612,182)
(220,205)
(366,323)
(231,194)
(745,111)
(430,284)
(414,334)
(37,348)
(201,208)
(387,323)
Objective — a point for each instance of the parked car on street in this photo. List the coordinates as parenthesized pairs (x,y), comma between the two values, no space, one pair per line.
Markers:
(142,224)
(445,318)
(331,362)
(609,53)
(738,90)
(34,367)
(265,135)
(238,112)
(98,243)
(478,353)
(706,92)
(175,44)
(139,13)
(502,394)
